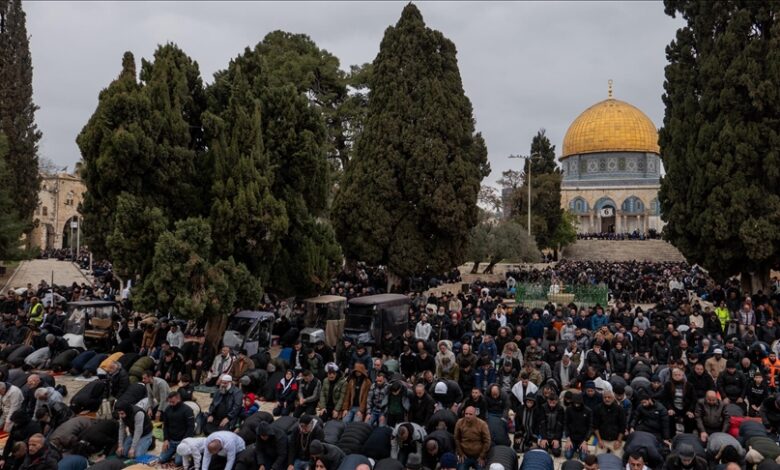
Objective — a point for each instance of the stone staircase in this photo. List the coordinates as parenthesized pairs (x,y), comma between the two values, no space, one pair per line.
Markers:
(622,250)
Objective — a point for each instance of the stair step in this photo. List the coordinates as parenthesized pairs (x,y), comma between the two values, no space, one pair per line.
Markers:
(623,250)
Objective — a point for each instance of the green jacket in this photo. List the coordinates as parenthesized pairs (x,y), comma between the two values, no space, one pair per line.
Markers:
(338,393)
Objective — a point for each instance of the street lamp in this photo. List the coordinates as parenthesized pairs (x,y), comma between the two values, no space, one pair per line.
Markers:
(530,159)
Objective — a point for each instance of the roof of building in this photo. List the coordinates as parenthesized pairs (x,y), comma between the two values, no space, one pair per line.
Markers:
(611,126)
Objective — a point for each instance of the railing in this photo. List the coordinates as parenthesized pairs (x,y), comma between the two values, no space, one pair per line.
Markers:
(537,295)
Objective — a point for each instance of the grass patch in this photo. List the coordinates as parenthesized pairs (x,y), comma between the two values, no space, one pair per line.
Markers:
(10,265)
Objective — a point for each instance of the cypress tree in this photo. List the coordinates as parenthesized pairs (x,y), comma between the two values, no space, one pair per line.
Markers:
(408,198)
(297,142)
(295,59)
(145,139)
(177,100)
(117,152)
(10,226)
(17,110)
(136,228)
(721,137)
(245,217)
(546,211)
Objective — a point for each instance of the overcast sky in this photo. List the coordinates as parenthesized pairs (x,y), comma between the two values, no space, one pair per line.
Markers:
(525,65)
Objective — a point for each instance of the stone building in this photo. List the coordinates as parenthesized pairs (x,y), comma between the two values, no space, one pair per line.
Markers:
(612,169)
(56,217)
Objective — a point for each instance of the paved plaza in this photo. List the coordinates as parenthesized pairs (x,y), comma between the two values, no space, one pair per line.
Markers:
(50,270)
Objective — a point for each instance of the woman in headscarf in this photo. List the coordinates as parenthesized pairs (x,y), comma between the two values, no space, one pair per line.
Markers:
(286,392)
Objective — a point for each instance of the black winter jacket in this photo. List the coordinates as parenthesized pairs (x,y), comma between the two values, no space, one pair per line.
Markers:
(689,397)
(274,449)
(731,385)
(653,419)
(178,423)
(551,423)
(299,442)
(578,422)
(609,421)
(701,384)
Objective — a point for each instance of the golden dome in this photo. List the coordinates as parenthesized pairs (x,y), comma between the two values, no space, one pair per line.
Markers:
(611,126)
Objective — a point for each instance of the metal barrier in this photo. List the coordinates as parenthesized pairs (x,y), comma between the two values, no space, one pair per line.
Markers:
(537,295)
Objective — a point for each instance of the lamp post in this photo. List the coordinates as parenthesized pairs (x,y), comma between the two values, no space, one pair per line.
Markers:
(530,159)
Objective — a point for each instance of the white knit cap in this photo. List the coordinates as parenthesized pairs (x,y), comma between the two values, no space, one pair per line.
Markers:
(226,378)
(496,466)
(441,387)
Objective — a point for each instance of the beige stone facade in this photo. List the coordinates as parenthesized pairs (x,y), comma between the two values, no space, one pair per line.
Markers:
(593,219)
(57,218)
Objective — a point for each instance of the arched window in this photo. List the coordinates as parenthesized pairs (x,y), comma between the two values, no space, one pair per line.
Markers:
(655,207)
(605,202)
(578,205)
(633,205)
(44,211)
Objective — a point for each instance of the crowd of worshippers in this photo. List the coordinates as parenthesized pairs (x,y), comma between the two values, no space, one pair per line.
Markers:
(471,383)
(651,234)
(630,282)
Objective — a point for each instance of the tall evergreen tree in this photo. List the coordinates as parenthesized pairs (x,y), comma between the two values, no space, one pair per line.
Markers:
(10,225)
(546,211)
(721,137)
(247,219)
(297,142)
(282,59)
(117,151)
(145,139)
(409,196)
(543,155)
(17,110)
(177,99)
(135,231)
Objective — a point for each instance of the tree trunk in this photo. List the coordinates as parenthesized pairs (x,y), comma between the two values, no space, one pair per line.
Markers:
(350,266)
(121,283)
(489,268)
(215,328)
(475,268)
(752,282)
(393,281)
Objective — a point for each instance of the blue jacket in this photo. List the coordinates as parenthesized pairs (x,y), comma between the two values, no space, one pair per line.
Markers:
(535,329)
(597,321)
(490,349)
(537,459)
(484,379)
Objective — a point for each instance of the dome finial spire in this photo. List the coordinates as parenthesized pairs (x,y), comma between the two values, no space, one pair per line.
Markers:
(609,88)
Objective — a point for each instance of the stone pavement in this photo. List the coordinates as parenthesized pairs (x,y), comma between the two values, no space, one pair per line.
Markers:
(33,271)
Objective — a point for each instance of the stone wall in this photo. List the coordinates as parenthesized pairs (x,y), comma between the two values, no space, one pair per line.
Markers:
(58,201)
(590,217)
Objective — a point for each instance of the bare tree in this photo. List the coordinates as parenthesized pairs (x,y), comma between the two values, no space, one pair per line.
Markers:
(511,179)
(490,199)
